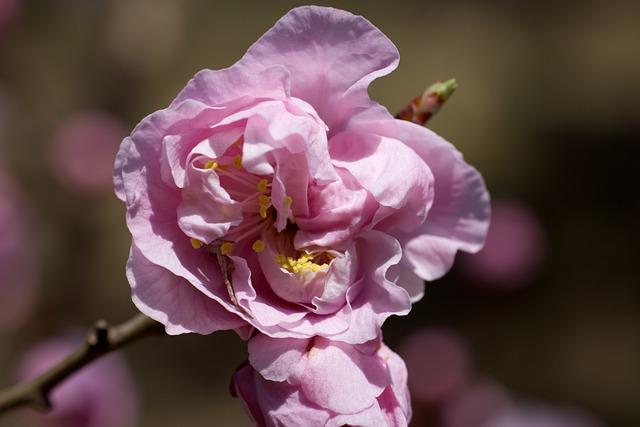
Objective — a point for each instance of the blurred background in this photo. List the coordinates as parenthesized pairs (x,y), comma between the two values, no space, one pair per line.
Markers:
(547,109)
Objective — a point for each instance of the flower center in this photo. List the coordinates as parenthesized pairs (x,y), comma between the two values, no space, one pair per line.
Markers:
(253,192)
(305,262)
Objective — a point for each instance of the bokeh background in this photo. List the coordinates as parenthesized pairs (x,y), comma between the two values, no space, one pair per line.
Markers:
(547,109)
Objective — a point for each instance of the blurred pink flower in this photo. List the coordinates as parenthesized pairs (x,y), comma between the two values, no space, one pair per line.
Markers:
(83,149)
(317,382)
(328,211)
(439,364)
(475,404)
(18,257)
(513,251)
(540,415)
(100,395)
(8,9)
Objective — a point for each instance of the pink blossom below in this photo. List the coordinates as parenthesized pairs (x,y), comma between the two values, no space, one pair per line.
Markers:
(8,10)
(513,251)
(100,395)
(82,150)
(18,257)
(475,404)
(317,382)
(540,415)
(279,173)
(439,364)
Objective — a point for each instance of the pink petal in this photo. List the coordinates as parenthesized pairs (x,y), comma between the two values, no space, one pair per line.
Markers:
(206,211)
(220,87)
(284,405)
(342,379)
(177,150)
(172,300)
(337,211)
(327,52)
(392,172)
(371,416)
(399,378)
(276,358)
(266,308)
(460,214)
(404,277)
(378,297)
(243,386)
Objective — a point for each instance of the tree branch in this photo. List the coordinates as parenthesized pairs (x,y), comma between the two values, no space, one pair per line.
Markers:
(102,339)
(425,106)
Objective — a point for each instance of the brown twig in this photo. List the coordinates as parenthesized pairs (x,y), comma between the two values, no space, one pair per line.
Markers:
(423,107)
(102,339)
(225,271)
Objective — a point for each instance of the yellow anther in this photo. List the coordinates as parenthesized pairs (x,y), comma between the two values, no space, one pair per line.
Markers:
(258,246)
(226,248)
(264,200)
(211,164)
(288,200)
(300,265)
(262,185)
(237,161)
(263,211)
(197,244)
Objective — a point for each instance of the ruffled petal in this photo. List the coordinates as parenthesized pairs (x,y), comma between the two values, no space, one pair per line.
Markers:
(220,87)
(403,275)
(276,359)
(329,54)
(376,297)
(173,301)
(337,211)
(207,211)
(342,379)
(284,405)
(459,216)
(372,416)
(392,172)
(243,385)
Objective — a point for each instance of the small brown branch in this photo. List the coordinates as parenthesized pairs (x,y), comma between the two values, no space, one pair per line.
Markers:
(225,271)
(425,106)
(102,339)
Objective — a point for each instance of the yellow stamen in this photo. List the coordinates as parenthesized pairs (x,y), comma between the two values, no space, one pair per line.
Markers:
(264,200)
(263,211)
(197,244)
(300,265)
(262,185)
(288,200)
(211,165)
(226,248)
(258,246)
(237,161)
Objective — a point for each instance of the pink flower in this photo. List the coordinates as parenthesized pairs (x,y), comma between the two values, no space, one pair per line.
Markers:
(18,257)
(275,193)
(82,150)
(100,395)
(317,382)
(514,249)
(8,10)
